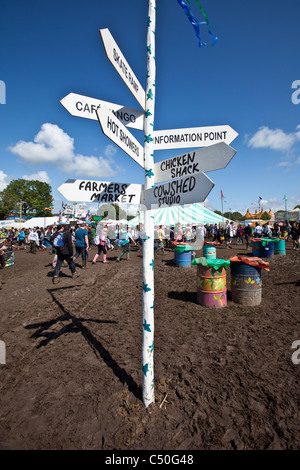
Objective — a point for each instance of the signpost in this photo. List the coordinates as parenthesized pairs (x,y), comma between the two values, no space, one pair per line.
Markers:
(120,135)
(101,192)
(178,192)
(193,137)
(119,62)
(85,107)
(187,182)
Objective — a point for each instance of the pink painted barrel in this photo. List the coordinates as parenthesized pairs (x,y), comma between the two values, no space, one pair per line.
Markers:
(211,286)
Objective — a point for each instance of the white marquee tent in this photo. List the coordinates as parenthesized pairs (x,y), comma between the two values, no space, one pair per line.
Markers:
(195,214)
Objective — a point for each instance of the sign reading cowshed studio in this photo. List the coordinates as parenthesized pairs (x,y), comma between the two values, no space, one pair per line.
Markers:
(101,191)
(178,192)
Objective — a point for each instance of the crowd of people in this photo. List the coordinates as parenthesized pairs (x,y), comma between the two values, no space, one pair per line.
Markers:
(76,240)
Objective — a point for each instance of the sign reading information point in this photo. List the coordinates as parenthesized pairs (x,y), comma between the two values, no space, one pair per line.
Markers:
(85,107)
(193,137)
(210,158)
(120,135)
(101,192)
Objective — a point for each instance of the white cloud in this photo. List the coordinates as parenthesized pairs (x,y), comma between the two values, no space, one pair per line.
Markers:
(274,139)
(4,180)
(54,146)
(40,176)
(284,164)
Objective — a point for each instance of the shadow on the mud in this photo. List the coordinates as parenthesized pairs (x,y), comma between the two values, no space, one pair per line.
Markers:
(75,325)
(185,296)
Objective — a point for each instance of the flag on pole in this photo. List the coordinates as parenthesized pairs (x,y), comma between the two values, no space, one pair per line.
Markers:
(222,195)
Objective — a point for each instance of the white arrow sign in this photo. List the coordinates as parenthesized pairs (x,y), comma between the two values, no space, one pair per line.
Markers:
(193,137)
(210,158)
(85,107)
(178,192)
(120,135)
(119,62)
(101,191)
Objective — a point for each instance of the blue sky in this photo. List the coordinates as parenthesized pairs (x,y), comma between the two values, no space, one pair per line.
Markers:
(50,49)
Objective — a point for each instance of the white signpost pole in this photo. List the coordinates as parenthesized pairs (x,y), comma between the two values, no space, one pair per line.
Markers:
(148,248)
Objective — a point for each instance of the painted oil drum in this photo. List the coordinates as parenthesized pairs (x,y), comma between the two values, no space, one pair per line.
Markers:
(183,259)
(209,251)
(279,248)
(267,251)
(246,284)
(256,248)
(211,286)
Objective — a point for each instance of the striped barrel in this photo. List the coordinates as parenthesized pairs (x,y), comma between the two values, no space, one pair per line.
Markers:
(246,285)
(209,251)
(211,286)
(279,248)
(267,251)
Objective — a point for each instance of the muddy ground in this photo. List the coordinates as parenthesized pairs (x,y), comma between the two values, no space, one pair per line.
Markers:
(72,378)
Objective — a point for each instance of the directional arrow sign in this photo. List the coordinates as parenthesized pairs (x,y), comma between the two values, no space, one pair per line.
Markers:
(119,62)
(210,158)
(85,107)
(193,137)
(120,135)
(178,192)
(101,191)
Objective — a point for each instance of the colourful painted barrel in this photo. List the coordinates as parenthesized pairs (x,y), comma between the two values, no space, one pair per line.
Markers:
(267,251)
(211,286)
(279,248)
(256,248)
(246,285)
(183,257)
(209,251)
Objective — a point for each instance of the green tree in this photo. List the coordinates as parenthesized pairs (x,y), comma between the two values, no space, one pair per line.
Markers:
(237,216)
(265,216)
(32,196)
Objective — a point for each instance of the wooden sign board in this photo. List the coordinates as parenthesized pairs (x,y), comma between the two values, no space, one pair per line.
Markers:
(85,107)
(101,192)
(119,62)
(193,137)
(205,159)
(178,192)
(120,135)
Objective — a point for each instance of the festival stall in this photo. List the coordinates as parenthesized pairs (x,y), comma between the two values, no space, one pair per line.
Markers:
(194,214)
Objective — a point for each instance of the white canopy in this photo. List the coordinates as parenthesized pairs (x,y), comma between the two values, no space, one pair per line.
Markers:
(194,214)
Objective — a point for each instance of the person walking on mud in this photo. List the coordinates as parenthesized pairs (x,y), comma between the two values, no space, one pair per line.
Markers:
(64,253)
(126,243)
(81,244)
(100,242)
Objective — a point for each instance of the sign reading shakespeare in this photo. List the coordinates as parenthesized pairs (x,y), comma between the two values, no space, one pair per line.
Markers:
(210,158)
(101,191)
(120,135)
(85,107)
(178,192)
(119,62)
(193,137)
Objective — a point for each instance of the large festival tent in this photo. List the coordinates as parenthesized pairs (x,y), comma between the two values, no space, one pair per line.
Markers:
(195,214)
